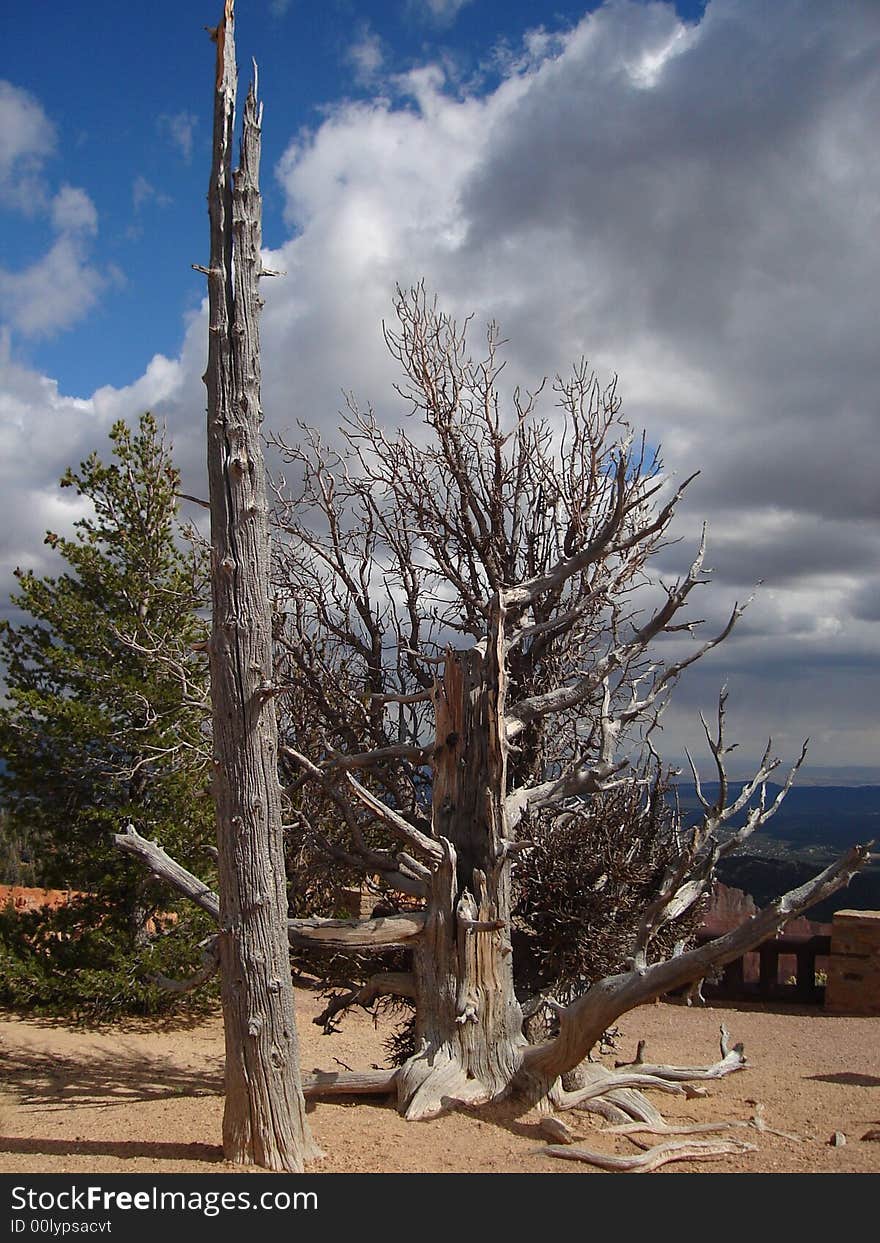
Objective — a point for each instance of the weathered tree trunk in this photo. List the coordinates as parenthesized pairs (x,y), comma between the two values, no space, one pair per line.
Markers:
(469,1024)
(264,1121)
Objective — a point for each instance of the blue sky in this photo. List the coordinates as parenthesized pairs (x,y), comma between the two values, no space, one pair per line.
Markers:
(687,195)
(127,106)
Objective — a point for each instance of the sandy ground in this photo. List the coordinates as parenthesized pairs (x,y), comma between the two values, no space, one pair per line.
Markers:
(146,1099)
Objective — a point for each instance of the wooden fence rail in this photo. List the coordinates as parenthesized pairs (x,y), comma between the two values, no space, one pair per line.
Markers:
(785,968)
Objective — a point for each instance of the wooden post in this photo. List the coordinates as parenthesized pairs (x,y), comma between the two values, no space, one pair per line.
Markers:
(805,976)
(264,1121)
(734,979)
(769,968)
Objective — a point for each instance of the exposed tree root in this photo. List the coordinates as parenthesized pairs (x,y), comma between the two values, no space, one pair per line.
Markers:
(633,1105)
(653,1158)
(427,1088)
(732,1058)
(599,1081)
(557,1130)
(689,1128)
(605,1108)
(615,1096)
(571,1100)
(758,1123)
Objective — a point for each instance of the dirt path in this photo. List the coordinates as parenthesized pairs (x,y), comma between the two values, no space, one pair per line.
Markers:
(146,1099)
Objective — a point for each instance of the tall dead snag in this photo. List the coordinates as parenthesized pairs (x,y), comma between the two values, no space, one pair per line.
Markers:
(264,1121)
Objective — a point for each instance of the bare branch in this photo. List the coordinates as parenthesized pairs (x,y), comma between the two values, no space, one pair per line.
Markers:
(731,1060)
(331,934)
(418,840)
(163,866)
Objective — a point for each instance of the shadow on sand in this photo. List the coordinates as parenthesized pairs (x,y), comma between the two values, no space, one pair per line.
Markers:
(40,1082)
(96,1076)
(124,1149)
(849,1078)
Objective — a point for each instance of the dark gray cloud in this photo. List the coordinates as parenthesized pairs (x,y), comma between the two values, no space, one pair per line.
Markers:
(866,601)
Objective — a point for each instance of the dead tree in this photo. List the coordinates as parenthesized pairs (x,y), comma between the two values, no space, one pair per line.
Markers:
(467,610)
(264,1120)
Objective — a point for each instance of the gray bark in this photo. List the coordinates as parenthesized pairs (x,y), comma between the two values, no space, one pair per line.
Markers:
(468,1021)
(264,1121)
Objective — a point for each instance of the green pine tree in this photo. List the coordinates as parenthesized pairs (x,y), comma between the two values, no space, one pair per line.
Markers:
(105,720)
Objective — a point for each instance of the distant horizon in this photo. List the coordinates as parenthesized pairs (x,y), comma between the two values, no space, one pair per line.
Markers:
(842,776)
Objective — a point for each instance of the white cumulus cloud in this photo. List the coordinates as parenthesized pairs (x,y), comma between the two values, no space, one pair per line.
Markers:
(52,294)
(74,212)
(27,139)
(57,289)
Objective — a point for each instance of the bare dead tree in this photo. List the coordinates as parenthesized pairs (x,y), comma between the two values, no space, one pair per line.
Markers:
(466,610)
(264,1120)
